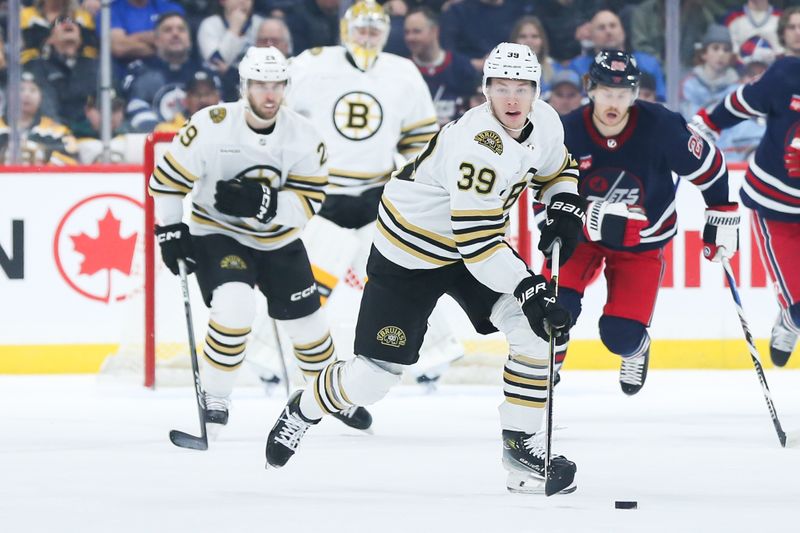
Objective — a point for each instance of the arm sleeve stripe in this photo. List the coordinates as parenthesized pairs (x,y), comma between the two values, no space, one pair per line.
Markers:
(464,215)
(421,233)
(560,179)
(564,164)
(309,180)
(359,175)
(474,231)
(483,238)
(416,139)
(306,203)
(168,181)
(419,124)
(180,169)
(314,195)
(484,253)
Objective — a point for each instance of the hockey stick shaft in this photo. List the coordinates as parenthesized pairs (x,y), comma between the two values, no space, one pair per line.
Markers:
(179,438)
(282,358)
(753,351)
(548,432)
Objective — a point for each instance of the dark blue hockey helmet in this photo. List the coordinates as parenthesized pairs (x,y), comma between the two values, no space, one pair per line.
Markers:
(613,68)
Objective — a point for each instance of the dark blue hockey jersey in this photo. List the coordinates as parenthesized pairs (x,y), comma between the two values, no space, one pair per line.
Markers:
(635,167)
(775,95)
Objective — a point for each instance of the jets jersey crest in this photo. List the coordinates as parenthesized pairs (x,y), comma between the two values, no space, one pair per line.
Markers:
(216,144)
(364,117)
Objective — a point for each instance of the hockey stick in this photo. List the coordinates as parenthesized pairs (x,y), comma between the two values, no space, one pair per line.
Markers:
(179,438)
(753,352)
(549,488)
(280,355)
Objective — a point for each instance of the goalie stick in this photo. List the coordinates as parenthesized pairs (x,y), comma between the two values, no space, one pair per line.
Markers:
(753,351)
(549,488)
(179,438)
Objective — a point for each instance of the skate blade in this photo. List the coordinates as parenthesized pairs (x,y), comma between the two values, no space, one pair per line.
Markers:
(526,483)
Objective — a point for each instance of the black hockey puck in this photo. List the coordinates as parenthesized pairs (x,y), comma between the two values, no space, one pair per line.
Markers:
(625,505)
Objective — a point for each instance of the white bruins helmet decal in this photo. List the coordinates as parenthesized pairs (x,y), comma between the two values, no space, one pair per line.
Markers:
(357,115)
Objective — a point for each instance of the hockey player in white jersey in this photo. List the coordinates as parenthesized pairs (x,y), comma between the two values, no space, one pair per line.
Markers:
(371,108)
(442,222)
(256,172)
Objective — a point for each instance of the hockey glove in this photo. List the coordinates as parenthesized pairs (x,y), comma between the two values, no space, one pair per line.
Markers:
(246,198)
(176,243)
(615,223)
(721,232)
(701,123)
(538,301)
(565,216)
(791,158)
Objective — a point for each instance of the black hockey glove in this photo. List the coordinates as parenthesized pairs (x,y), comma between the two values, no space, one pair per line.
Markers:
(246,198)
(538,301)
(565,216)
(176,243)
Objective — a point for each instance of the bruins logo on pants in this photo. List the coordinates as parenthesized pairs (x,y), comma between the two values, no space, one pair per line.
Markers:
(233,262)
(392,336)
(357,115)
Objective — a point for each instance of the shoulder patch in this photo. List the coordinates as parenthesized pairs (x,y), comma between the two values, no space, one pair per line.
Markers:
(217,114)
(317,50)
(491,140)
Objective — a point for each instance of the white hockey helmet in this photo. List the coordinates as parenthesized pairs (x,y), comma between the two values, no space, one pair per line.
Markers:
(262,64)
(512,61)
(364,14)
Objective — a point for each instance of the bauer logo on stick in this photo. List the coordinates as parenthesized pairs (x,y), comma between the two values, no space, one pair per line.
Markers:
(392,336)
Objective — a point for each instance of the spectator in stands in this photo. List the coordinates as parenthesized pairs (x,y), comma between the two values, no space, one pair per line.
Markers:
(756,18)
(608,33)
(273,31)
(314,23)
(789,30)
(224,37)
(647,26)
(474,27)
(647,88)
(397,11)
(203,89)
(37,21)
(713,77)
(566,93)
(529,31)
(124,148)
(132,28)
(66,77)
(450,76)
(43,140)
(568,25)
(154,86)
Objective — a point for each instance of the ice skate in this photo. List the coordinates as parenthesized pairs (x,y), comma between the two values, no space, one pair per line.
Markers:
(216,409)
(356,417)
(782,342)
(523,457)
(288,431)
(633,372)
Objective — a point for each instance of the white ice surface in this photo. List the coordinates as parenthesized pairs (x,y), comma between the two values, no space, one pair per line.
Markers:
(696,449)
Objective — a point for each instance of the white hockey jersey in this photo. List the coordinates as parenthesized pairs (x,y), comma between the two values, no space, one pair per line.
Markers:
(452,202)
(217,144)
(364,117)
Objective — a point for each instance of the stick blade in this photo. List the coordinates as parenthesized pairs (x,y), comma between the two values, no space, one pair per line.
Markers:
(184,440)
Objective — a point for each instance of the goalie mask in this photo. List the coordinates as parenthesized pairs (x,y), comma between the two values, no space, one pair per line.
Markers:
(364,30)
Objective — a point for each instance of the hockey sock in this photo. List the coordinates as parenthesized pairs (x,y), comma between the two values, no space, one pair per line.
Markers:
(232,313)
(313,345)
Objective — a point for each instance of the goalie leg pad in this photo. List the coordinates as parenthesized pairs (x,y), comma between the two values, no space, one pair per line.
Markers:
(525,372)
(312,342)
(231,317)
(343,384)
(331,249)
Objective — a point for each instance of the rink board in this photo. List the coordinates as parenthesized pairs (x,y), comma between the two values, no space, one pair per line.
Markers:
(71,272)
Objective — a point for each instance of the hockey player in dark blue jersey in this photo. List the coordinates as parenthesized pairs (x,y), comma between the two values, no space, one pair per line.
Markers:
(627,151)
(772,182)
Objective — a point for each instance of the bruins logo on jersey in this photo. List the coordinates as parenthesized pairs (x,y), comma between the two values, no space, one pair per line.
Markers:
(357,115)
(217,114)
(266,174)
(233,262)
(491,140)
(392,336)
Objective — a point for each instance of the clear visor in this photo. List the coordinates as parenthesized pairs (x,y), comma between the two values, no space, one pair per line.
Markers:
(522,90)
(616,97)
(266,87)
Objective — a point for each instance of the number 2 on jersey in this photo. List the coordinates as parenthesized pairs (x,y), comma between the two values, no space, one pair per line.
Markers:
(483,182)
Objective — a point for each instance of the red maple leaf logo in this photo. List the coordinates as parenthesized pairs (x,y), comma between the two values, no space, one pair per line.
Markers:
(109,250)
